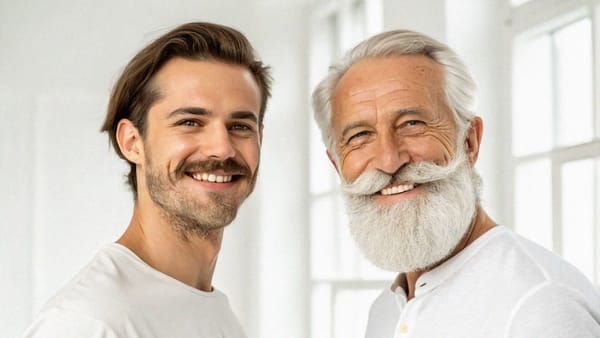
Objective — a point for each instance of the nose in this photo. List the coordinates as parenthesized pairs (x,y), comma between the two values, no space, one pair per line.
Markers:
(217,143)
(390,154)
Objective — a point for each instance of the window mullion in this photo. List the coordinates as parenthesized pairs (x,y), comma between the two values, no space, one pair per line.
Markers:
(595,20)
(557,235)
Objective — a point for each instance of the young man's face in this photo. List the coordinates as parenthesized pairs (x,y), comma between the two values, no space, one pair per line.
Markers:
(202,142)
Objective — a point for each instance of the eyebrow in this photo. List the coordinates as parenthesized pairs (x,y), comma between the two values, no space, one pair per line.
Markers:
(241,115)
(190,110)
(245,115)
(361,123)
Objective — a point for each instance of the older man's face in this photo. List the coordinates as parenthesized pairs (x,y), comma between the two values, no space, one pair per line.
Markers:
(410,194)
(389,112)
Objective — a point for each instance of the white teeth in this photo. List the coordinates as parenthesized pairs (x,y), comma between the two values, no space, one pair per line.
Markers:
(397,189)
(212,178)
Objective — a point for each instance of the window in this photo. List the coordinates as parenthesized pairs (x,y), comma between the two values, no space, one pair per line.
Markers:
(556,129)
(343,283)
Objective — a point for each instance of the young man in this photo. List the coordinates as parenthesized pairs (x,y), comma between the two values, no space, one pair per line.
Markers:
(395,115)
(186,114)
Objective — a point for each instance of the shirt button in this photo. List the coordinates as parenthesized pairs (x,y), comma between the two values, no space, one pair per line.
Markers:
(404,328)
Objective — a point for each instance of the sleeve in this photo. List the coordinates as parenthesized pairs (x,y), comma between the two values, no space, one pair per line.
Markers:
(56,323)
(554,311)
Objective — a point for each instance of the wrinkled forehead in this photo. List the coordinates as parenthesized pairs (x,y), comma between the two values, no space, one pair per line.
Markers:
(376,72)
(397,80)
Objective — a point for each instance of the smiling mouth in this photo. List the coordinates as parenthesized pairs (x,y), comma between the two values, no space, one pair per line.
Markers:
(206,177)
(397,189)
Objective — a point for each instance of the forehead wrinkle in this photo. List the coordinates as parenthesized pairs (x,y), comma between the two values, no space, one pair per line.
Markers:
(378,89)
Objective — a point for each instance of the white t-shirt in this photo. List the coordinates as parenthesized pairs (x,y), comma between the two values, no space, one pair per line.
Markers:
(501,285)
(119,295)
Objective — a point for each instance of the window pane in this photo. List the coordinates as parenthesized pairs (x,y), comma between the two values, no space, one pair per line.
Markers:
(533,202)
(578,215)
(321,311)
(323,239)
(532,96)
(323,177)
(359,22)
(574,83)
(324,47)
(352,311)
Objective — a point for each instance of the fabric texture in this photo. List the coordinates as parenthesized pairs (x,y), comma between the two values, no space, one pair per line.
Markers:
(501,285)
(119,295)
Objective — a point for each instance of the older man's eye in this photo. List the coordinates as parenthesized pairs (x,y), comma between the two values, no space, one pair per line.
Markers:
(358,135)
(413,123)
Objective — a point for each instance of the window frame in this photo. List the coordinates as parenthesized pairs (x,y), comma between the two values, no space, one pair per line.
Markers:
(546,16)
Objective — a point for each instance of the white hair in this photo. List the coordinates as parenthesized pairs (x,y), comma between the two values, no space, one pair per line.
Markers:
(459,86)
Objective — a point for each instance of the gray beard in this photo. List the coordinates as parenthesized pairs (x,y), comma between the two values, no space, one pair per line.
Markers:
(416,233)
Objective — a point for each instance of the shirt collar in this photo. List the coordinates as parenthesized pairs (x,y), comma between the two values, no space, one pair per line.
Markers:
(438,275)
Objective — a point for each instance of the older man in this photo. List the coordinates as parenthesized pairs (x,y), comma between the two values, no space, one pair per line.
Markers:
(395,115)
(186,115)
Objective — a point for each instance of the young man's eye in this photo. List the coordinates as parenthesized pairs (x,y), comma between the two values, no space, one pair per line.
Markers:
(189,123)
(241,127)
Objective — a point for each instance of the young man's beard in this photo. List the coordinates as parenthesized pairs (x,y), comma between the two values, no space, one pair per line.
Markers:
(418,232)
(187,215)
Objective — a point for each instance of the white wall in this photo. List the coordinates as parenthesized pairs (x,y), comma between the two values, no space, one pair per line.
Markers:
(425,16)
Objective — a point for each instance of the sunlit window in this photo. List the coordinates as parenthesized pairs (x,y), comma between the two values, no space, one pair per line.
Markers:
(555,136)
(578,213)
(533,201)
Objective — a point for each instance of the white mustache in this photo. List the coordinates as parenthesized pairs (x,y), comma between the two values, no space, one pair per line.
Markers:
(373,181)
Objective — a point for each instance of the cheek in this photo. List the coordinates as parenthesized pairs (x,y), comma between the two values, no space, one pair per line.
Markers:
(431,148)
(354,164)
(170,151)
(249,152)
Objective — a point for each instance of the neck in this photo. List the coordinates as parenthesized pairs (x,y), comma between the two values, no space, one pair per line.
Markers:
(190,259)
(480,225)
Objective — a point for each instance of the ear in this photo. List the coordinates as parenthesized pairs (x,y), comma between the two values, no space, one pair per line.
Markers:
(332,160)
(130,141)
(473,140)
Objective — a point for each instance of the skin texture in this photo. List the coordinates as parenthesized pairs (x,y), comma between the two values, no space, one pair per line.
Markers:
(207,111)
(391,111)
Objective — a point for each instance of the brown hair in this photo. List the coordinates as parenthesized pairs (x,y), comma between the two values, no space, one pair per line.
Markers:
(134,92)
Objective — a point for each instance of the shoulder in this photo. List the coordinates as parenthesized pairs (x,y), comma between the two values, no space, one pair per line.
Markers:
(100,294)
(527,263)
(66,324)
(555,310)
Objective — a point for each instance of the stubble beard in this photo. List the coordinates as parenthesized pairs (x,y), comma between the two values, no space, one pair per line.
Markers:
(418,232)
(187,215)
